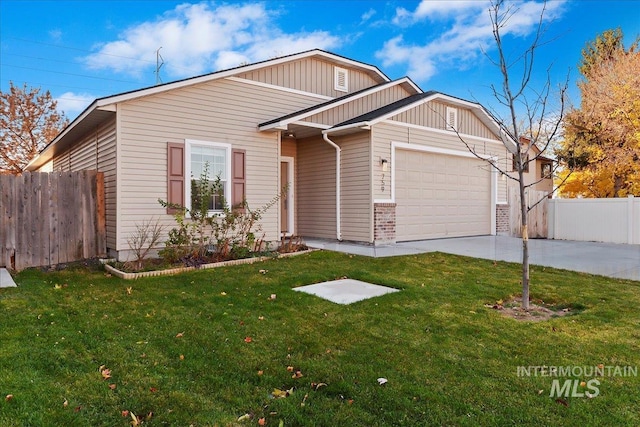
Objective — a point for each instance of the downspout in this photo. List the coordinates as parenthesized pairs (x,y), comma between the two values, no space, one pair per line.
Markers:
(338,220)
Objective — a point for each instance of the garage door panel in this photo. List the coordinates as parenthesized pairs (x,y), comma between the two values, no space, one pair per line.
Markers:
(440,195)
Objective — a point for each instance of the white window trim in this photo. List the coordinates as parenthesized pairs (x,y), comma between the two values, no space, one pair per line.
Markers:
(187,168)
(336,73)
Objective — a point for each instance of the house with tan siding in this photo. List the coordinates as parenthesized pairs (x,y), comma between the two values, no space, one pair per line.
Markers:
(363,158)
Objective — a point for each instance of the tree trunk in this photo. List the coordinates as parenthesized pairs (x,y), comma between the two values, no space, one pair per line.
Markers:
(525,237)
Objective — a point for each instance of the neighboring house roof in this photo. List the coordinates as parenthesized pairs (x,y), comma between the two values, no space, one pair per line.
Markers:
(102,109)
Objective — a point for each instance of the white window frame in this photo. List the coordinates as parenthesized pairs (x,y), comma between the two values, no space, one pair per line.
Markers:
(187,169)
(336,79)
(452,118)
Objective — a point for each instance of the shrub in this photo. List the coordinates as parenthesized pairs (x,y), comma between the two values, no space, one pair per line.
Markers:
(232,233)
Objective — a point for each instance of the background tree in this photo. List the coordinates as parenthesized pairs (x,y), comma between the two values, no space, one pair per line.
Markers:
(601,147)
(531,119)
(28,122)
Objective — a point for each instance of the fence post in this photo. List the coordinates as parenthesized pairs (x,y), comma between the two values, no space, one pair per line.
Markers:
(630,219)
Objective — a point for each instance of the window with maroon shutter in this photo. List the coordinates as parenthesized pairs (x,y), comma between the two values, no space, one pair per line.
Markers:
(175,175)
(238,178)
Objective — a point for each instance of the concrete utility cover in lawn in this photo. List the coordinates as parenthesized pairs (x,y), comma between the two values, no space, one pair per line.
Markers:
(345,291)
(6,281)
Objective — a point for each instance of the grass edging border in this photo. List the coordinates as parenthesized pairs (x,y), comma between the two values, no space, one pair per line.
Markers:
(132,276)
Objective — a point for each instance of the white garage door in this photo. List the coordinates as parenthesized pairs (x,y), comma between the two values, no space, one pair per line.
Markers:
(439,195)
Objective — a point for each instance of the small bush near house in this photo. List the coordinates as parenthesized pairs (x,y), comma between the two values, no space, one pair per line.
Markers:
(203,236)
(143,240)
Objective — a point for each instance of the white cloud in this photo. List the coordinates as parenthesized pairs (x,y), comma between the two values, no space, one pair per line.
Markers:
(368,15)
(73,104)
(467,31)
(199,38)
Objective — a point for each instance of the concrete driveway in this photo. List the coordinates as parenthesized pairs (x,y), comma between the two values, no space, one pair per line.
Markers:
(606,259)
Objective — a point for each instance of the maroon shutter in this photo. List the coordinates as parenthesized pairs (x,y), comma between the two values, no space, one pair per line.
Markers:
(175,175)
(238,179)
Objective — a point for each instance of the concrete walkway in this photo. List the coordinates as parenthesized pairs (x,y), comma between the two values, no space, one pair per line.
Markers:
(6,281)
(606,259)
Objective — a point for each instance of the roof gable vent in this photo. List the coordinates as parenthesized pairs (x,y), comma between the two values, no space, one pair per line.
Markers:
(452,118)
(341,79)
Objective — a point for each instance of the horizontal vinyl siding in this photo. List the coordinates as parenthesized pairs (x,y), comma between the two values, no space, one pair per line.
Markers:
(222,111)
(96,151)
(316,178)
(107,164)
(384,133)
(433,114)
(355,194)
(359,106)
(309,75)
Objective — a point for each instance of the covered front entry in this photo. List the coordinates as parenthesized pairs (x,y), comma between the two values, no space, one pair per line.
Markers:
(441,195)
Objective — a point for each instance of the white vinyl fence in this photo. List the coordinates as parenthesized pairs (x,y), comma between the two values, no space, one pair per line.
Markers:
(595,220)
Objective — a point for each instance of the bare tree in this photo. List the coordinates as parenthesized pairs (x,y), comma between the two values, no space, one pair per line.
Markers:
(28,122)
(529,121)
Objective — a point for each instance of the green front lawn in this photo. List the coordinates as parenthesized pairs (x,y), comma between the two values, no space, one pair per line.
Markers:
(207,347)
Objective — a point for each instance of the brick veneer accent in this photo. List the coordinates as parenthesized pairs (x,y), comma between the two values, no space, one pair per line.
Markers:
(384,223)
(502,219)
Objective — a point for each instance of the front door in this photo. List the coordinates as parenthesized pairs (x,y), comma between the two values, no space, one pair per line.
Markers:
(286,199)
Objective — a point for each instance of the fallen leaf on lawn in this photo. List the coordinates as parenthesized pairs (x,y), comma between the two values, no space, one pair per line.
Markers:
(304,399)
(315,386)
(65,403)
(106,373)
(262,421)
(260,317)
(264,271)
(248,339)
(350,401)
(77,409)
(272,297)
(182,357)
(135,421)
(124,413)
(289,368)
(297,375)
(8,397)
(129,290)
(562,402)
(179,334)
(540,392)
(382,381)
(244,417)
(278,394)
(153,389)
(223,294)
(260,373)
(112,386)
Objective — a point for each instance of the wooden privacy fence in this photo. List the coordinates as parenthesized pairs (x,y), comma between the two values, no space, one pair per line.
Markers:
(51,218)
(537,222)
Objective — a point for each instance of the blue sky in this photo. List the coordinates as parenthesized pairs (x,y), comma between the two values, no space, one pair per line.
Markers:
(82,50)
